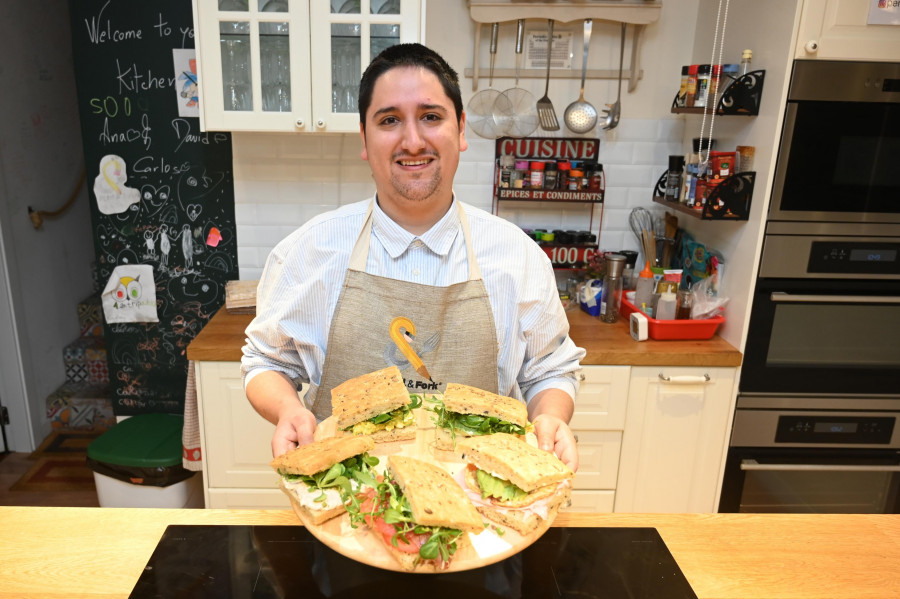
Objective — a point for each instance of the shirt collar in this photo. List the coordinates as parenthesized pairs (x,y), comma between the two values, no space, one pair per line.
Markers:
(396,240)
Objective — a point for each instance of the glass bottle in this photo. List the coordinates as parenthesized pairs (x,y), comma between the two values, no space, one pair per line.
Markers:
(746,57)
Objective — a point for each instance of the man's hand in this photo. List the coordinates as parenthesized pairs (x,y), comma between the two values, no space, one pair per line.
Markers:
(295,427)
(274,396)
(554,435)
(550,412)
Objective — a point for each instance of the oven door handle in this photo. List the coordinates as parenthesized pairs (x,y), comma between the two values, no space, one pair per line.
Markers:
(781,296)
(754,465)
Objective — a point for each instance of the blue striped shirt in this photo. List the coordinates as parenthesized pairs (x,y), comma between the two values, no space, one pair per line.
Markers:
(304,275)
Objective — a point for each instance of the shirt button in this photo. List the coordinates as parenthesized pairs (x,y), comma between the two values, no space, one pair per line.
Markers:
(417,243)
(415,272)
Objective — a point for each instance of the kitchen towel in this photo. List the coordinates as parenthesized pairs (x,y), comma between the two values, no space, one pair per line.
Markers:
(191,457)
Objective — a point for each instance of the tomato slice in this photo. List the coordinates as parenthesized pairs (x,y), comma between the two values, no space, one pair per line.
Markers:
(415,541)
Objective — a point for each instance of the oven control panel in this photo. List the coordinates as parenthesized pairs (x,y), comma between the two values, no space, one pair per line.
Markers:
(854,257)
(834,429)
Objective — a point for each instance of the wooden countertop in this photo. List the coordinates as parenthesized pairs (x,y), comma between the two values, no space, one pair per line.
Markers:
(101,552)
(606,344)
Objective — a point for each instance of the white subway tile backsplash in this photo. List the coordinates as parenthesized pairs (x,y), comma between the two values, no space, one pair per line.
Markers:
(283,180)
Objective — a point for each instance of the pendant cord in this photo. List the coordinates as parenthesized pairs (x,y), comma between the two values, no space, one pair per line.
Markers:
(720,42)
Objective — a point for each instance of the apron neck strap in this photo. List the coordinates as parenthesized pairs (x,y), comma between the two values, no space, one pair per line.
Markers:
(360,252)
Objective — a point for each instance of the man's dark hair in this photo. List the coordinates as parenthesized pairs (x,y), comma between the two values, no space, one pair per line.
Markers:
(408,55)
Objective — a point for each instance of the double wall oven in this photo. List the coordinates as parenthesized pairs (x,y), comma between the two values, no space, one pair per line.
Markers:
(817,423)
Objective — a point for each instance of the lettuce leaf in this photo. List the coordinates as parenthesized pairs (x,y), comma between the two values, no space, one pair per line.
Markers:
(491,486)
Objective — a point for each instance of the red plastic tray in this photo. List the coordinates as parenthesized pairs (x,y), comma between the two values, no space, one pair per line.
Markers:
(675,329)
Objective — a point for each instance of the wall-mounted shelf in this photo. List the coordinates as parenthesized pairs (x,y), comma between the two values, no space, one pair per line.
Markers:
(639,14)
(730,200)
(741,97)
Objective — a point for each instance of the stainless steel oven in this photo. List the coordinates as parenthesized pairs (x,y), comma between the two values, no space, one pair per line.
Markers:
(825,314)
(840,144)
(813,455)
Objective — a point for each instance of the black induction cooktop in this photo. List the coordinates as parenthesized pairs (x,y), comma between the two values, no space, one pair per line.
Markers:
(287,561)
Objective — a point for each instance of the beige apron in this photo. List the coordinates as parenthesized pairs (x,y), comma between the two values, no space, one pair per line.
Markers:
(446,333)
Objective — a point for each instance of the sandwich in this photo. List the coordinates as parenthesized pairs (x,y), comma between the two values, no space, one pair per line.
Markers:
(512,482)
(419,513)
(322,478)
(377,405)
(467,411)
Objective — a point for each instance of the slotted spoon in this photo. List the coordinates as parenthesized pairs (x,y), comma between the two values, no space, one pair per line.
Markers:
(580,115)
(614,111)
(546,112)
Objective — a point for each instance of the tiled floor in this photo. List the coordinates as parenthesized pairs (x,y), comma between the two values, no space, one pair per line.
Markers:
(14,465)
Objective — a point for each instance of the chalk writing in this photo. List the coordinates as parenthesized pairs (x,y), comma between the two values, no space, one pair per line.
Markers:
(100,30)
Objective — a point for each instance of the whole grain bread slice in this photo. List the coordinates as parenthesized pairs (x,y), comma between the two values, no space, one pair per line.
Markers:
(517,461)
(321,455)
(369,395)
(464,399)
(434,497)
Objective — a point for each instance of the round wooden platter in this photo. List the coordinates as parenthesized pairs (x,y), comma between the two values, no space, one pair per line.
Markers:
(363,545)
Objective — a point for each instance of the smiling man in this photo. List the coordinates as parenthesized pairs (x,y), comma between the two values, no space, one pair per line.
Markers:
(480,294)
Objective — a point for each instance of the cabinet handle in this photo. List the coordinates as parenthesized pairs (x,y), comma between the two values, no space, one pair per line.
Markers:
(684,380)
(581,377)
(300,124)
(320,123)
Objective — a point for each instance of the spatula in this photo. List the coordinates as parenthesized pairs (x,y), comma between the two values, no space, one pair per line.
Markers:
(546,112)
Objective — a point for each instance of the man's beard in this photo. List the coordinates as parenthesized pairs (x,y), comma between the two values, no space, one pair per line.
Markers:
(417,190)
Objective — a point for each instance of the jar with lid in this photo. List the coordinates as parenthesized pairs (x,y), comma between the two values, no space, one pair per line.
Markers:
(576,178)
(507,166)
(550,175)
(714,81)
(681,98)
(522,176)
(537,175)
(691,96)
(562,177)
(703,74)
(596,180)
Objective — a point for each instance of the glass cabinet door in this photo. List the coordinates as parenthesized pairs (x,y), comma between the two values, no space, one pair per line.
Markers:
(357,31)
(254,59)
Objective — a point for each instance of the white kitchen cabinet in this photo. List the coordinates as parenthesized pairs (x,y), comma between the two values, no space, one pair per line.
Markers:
(598,423)
(837,30)
(675,437)
(292,65)
(234,442)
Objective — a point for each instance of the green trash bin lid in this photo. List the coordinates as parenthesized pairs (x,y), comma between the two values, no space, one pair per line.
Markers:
(143,441)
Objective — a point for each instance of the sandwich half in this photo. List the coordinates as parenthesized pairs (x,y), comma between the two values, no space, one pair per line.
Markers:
(324,477)
(512,482)
(377,405)
(468,411)
(419,513)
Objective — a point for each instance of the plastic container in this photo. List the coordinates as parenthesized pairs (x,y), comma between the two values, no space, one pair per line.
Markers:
(703,328)
(137,463)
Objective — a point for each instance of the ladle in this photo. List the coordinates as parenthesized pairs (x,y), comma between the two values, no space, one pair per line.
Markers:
(612,115)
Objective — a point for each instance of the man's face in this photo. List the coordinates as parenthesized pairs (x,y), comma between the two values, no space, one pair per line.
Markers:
(411,138)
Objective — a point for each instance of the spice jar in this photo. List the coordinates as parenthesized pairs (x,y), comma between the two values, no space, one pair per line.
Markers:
(562,177)
(522,175)
(691,96)
(681,98)
(703,74)
(550,175)
(597,182)
(575,179)
(537,175)
(507,166)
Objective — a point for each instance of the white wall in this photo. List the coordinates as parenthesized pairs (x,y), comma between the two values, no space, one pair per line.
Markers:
(766,27)
(40,162)
(282,180)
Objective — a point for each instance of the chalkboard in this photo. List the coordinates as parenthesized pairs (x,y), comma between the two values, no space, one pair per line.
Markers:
(161,190)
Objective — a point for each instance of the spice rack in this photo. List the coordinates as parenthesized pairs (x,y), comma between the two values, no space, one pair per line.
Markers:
(741,97)
(564,256)
(729,200)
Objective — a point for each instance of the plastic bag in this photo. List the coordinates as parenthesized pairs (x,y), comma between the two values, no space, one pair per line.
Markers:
(706,304)
(589,296)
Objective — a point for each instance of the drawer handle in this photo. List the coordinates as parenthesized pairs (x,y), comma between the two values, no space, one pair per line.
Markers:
(684,380)
(581,376)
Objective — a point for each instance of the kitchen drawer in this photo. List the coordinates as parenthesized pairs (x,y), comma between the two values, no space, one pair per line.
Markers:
(592,501)
(248,499)
(598,459)
(602,397)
